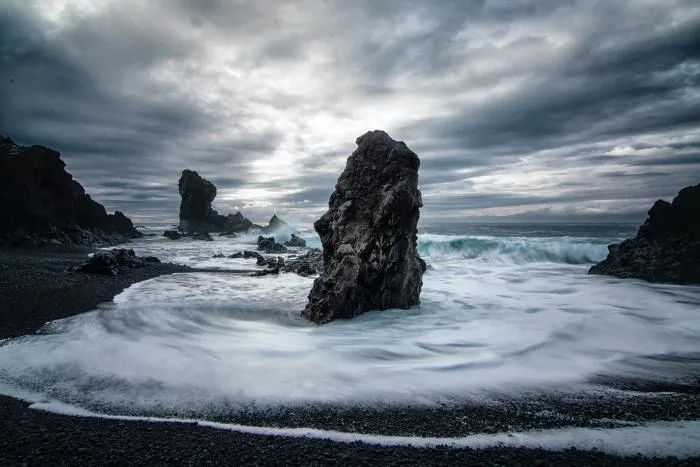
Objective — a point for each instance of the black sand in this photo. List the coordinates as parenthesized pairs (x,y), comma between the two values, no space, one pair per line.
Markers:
(35,287)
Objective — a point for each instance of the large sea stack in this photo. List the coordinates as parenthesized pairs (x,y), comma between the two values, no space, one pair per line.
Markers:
(196,213)
(369,234)
(667,245)
(40,202)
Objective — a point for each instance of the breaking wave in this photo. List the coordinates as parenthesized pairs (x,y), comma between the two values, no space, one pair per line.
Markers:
(568,250)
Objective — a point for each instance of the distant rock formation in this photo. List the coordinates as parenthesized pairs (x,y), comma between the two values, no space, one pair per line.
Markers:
(667,245)
(196,213)
(40,202)
(369,234)
(275,224)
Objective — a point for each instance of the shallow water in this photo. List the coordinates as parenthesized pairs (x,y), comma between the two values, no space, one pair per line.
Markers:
(498,314)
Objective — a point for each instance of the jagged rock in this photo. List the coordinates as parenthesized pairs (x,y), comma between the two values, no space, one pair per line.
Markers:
(269,245)
(251,254)
(235,223)
(295,242)
(266,272)
(40,202)
(275,224)
(265,243)
(219,255)
(271,262)
(196,213)
(111,262)
(308,264)
(369,234)
(666,247)
(172,234)
(101,263)
(246,255)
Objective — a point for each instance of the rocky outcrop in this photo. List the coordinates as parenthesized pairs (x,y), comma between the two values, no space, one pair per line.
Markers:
(308,264)
(273,262)
(111,263)
(295,241)
(40,202)
(269,245)
(666,247)
(275,224)
(196,235)
(246,255)
(369,234)
(196,213)
(172,234)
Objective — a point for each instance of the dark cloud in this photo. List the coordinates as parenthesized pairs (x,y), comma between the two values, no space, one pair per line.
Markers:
(549,107)
(677,159)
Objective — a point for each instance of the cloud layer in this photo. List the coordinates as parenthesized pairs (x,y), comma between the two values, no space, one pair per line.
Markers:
(545,110)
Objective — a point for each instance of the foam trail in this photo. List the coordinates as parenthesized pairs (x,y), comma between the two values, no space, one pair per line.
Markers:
(659,439)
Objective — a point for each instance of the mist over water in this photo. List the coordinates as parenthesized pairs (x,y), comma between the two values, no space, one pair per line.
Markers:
(499,314)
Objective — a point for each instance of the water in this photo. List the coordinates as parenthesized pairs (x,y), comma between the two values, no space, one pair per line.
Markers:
(504,309)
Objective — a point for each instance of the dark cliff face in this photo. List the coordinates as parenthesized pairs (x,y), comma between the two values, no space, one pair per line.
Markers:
(369,234)
(666,247)
(196,213)
(40,201)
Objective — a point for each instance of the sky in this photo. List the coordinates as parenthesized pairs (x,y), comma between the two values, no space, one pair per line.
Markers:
(520,110)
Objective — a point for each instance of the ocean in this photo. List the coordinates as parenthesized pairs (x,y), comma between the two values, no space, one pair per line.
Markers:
(507,310)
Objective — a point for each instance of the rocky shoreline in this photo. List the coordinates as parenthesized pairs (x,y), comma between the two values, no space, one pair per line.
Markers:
(36,288)
(41,203)
(666,247)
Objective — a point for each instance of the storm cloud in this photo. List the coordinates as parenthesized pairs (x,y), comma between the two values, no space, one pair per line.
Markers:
(519,109)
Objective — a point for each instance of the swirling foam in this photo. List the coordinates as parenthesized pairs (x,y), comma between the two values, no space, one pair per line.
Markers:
(194,344)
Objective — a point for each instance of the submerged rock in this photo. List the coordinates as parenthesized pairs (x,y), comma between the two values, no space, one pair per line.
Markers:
(296,242)
(196,213)
(666,247)
(40,202)
(369,234)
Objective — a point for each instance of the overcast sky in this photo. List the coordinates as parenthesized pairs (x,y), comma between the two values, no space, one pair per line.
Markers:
(519,109)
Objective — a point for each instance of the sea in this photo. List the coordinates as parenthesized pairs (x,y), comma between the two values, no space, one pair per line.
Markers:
(506,309)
